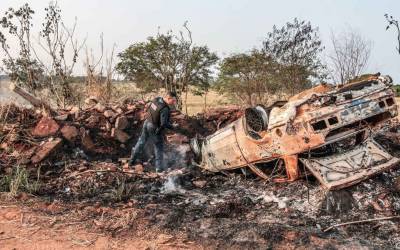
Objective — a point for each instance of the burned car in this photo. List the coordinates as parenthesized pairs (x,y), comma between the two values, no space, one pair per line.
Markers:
(326,131)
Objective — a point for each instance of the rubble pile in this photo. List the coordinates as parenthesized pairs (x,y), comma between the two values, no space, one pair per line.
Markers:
(97,132)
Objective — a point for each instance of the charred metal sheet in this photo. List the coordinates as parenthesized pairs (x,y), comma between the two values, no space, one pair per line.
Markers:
(309,121)
(345,169)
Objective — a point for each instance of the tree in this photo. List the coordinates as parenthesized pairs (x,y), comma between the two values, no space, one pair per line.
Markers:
(249,77)
(296,48)
(395,24)
(27,68)
(201,90)
(23,68)
(99,73)
(58,39)
(26,73)
(167,61)
(350,55)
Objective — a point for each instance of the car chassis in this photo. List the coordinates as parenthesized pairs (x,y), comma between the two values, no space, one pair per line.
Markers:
(327,130)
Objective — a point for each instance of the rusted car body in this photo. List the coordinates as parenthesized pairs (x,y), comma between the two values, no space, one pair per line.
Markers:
(326,130)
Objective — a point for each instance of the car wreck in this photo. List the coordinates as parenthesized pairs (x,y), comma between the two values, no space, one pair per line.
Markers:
(327,131)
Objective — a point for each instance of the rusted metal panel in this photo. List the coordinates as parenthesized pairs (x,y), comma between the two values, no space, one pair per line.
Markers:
(309,121)
(345,169)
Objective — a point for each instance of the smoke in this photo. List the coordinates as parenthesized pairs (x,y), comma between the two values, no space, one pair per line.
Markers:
(176,156)
(172,184)
(281,201)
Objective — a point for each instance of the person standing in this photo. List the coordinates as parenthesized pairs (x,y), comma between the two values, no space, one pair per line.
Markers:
(158,119)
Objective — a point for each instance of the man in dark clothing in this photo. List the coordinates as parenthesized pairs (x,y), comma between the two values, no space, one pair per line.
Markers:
(158,119)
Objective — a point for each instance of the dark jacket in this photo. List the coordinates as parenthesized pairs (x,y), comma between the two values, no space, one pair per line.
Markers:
(159,115)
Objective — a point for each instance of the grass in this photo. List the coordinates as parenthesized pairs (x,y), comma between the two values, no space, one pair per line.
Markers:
(122,190)
(195,103)
(19,181)
(4,112)
(125,90)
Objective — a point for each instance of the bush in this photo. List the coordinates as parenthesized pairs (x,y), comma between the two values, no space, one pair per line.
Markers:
(19,181)
(396,89)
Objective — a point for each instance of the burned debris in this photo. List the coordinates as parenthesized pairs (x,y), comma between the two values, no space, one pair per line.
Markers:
(325,131)
(76,154)
(328,130)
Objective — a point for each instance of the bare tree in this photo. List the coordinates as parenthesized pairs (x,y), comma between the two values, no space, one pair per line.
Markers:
(350,55)
(31,69)
(395,23)
(99,72)
(58,39)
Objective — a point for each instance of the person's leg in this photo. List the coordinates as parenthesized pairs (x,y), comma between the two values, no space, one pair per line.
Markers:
(159,151)
(138,148)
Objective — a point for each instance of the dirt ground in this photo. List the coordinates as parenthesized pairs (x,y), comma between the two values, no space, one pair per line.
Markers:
(24,229)
(21,228)
(190,209)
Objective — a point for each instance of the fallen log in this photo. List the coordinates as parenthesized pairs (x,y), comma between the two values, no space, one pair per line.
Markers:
(37,103)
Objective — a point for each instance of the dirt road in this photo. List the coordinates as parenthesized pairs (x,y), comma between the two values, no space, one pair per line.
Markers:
(22,228)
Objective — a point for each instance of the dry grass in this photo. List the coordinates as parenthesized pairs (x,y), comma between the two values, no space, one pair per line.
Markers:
(124,90)
(195,104)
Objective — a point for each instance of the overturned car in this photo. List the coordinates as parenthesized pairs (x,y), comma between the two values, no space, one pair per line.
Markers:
(327,130)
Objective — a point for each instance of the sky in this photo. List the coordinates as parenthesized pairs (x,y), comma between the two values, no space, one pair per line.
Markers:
(226,26)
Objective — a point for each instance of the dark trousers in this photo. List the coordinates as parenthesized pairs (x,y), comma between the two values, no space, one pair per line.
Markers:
(149,134)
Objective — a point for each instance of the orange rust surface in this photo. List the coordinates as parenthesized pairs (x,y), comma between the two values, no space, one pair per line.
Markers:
(291,134)
(292,168)
(321,88)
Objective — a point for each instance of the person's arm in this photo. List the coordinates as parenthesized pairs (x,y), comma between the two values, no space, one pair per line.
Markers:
(164,120)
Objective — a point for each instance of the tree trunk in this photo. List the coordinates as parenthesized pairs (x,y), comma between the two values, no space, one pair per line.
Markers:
(186,97)
(205,101)
(250,101)
(37,103)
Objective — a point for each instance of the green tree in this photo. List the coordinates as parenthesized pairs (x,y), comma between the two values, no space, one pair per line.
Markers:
(201,90)
(248,77)
(296,47)
(167,61)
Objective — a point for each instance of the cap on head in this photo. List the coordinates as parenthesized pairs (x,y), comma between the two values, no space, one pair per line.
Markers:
(170,98)
(171,94)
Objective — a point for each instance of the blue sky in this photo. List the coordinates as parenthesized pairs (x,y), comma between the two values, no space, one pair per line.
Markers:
(228,26)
